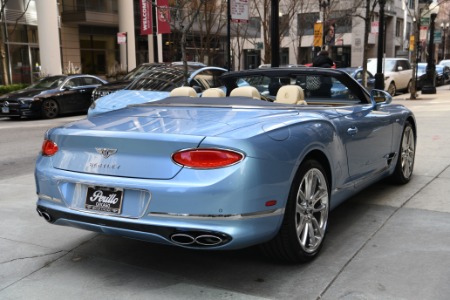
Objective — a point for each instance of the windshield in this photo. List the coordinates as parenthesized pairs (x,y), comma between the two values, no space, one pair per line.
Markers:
(158,79)
(139,71)
(389,65)
(48,82)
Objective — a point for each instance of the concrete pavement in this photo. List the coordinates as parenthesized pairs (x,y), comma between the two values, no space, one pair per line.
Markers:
(387,242)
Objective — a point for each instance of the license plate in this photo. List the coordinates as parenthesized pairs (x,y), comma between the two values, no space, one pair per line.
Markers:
(104,199)
(5,110)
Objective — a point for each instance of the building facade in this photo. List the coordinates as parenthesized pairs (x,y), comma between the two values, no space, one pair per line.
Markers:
(48,37)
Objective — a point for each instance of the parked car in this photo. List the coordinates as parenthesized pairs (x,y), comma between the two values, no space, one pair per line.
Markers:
(264,66)
(51,96)
(156,84)
(357,74)
(222,173)
(115,86)
(442,75)
(397,73)
(445,62)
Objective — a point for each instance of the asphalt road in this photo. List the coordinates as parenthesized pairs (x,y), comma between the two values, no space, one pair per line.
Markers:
(21,141)
(388,242)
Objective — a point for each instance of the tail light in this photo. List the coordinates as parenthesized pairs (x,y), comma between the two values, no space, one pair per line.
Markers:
(49,148)
(207,158)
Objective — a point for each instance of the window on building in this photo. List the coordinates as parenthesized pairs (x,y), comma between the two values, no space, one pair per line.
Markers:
(284,25)
(399,28)
(342,20)
(305,23)
(252,29)
(284,56)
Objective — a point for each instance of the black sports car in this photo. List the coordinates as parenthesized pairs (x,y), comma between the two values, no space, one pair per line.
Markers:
(50,97)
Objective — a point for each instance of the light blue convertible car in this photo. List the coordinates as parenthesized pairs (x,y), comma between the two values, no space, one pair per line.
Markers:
(227,172)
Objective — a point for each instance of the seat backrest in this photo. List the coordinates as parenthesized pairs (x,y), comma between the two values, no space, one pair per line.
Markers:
(213,92)
(246,91)
(291,94)
(183,91)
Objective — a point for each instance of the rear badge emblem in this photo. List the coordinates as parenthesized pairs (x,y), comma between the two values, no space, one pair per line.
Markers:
(106,152)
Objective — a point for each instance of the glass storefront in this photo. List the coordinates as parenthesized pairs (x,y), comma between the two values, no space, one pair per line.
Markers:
(23,53)
(99,51)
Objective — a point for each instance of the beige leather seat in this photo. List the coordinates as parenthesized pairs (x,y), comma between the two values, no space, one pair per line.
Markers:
(291,94)
(183,91)
(213,92)
(246,91)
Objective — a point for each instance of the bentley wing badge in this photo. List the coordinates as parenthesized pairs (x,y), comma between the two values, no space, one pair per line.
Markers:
(106,152)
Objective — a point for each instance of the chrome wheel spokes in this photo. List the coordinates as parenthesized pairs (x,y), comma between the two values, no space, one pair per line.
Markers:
(312,210)
(407,152)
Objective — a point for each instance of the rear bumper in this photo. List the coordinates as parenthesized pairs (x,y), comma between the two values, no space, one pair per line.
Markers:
(193,233)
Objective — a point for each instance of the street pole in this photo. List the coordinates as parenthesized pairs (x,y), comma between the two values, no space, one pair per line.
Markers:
(275,34)
(229,35)
(429,86)
(379,76)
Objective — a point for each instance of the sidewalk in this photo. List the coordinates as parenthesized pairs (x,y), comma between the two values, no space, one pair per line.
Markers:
(442,92)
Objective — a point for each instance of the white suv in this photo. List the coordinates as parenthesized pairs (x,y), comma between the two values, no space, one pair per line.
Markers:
(397,73)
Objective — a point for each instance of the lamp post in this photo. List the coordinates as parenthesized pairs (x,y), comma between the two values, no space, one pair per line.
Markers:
(429,86)
(444,29)
(324,4)
(379,76)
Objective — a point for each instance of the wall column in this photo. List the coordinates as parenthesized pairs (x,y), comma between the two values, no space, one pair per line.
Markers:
(48,33)
(126,24)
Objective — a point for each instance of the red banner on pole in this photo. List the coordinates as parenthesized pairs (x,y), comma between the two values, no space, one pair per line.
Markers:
(163,16)
(146,17)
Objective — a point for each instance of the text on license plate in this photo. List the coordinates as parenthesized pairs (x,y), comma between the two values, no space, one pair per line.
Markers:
(104,199)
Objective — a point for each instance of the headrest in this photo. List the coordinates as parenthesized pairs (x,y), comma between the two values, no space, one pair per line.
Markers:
(246,91)
(290,94)
(213,92)
(183,91)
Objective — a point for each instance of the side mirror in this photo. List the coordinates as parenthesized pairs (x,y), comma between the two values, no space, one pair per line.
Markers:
(399,68)
(380,97)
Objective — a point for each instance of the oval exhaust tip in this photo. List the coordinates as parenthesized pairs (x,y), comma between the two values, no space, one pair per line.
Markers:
(208,240)
(182,239)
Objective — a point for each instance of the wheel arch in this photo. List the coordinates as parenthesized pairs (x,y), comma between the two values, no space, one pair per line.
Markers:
(412,121)
(320,157)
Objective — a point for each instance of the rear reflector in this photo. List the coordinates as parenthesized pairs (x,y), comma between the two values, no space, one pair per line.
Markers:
(207,158)
(49,148)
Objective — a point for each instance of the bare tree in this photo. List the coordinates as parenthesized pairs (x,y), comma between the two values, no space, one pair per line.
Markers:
(3,57)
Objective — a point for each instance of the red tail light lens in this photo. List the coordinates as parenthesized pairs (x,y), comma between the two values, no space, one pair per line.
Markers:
(49,148)
(207,158)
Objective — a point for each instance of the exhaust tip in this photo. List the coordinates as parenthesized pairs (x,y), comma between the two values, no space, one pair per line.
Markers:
(182,239)
(46,216)
(208,240)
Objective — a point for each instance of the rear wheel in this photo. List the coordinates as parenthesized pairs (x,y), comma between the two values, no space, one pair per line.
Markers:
(306,217)
(405,162)
(50,109)
(392,89)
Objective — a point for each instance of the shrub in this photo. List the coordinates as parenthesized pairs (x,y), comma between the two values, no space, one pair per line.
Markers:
(4,89)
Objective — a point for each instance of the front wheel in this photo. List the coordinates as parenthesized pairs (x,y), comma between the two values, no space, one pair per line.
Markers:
(306,217)
(50,109)
(405,161)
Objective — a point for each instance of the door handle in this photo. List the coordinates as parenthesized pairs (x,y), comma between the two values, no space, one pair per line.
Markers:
(352,130)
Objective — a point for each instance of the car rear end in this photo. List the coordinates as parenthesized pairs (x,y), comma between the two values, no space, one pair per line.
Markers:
(165,177)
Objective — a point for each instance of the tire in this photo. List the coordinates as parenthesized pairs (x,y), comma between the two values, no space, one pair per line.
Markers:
(392,89)
(305,220)
(50,109)
(408,87)
(406,155)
